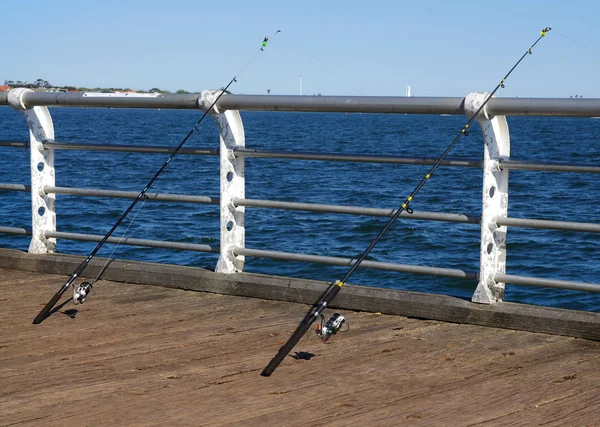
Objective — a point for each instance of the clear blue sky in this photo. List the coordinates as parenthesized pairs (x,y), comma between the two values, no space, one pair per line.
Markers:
(441,48)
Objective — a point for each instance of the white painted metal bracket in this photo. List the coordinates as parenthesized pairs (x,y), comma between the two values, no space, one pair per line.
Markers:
(43,213)
(233,184)
(494,200)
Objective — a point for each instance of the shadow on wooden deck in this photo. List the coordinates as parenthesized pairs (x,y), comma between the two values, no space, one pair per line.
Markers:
(147,355)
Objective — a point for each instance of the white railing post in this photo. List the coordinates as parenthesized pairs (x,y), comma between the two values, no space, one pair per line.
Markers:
(494,200)
(233,184)
(43,213)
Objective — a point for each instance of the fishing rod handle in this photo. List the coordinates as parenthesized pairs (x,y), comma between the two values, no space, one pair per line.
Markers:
(287,347)
(44,313)
(303,327)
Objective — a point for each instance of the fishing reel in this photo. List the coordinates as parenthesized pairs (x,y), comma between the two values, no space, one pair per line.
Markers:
(331,327)
(81,292)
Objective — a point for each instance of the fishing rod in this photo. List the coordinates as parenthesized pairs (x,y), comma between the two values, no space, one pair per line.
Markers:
(82,291)
(326,329)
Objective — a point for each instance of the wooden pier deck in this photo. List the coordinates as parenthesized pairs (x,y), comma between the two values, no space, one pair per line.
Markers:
(146,355)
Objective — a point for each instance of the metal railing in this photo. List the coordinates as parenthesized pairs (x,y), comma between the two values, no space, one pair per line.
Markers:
(232,152)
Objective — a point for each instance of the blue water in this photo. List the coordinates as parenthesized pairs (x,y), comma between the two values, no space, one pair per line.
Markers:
(555,196)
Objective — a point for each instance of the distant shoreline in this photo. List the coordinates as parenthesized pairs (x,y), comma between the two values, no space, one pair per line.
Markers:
(43,86)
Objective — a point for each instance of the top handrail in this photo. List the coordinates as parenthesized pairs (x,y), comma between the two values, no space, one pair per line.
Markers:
(573,107)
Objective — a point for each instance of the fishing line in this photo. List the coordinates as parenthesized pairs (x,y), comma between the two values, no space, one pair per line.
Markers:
(81,293)
(119,242)
(334,287)
(322,63)
(578,43)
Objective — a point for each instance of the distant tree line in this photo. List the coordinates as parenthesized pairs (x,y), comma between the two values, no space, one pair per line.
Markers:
(39,83)
(44,84)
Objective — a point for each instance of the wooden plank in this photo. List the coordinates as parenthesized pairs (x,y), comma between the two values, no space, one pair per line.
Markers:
(403,303)
(146,355)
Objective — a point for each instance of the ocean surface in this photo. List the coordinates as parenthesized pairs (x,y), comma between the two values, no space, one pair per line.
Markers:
(541,195)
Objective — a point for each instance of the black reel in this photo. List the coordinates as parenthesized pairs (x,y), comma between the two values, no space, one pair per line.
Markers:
(81,292)
(331,327)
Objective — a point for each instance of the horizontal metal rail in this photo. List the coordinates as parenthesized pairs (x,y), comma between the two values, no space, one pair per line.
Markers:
(131,195)
(344,104)
(571,107)
(165,244)
(162,149)
(468,163)
(348,104)
(355,210)
(309,155)
(130,148)
(417,269)
(15,230)
(365,158)
(548,166)
(411,105)
(547,283)
(347,262)
(317,207)
(15,144)
(286,256)
(109,100)
(245,152)
(15,187)
(549,225)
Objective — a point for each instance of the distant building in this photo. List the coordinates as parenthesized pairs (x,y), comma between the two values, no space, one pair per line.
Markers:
(5,88)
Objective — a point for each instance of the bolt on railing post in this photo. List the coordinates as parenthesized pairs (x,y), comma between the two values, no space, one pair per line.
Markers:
(43,213)
(494,200)
(233,231)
